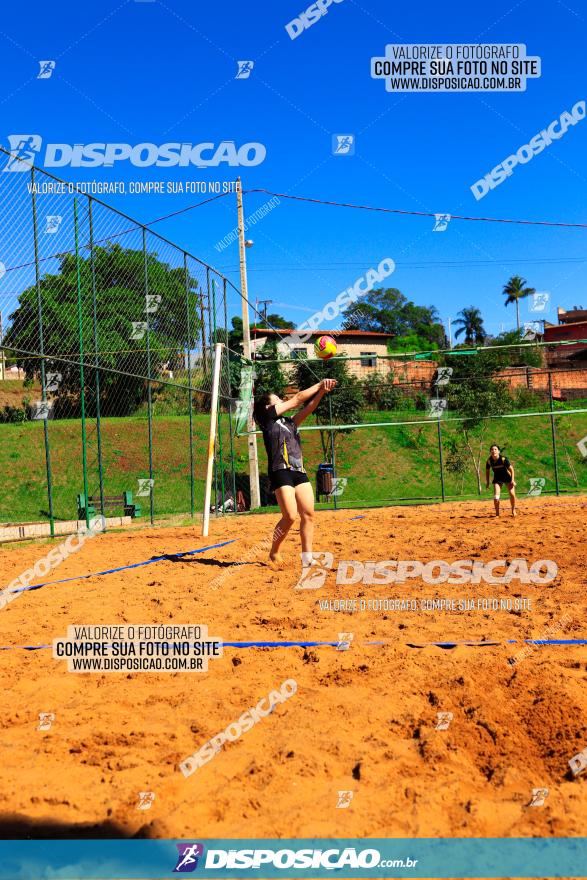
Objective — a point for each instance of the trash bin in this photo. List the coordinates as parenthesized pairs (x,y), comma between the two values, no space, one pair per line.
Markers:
(324,480)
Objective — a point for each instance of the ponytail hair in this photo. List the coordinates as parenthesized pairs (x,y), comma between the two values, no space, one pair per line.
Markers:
(260,407)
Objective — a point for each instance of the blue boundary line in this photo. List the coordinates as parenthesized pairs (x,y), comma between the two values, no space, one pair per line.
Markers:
(82,577)
(311,644)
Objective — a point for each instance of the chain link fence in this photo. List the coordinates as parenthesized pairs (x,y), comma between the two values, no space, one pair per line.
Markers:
(106,357)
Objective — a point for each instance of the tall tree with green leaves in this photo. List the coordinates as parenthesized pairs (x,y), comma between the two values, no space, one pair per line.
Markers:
(515,290)
(470,322)
(389,311)
(122,279)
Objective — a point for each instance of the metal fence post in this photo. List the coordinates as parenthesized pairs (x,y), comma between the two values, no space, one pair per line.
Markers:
(332,453)
(96,358)
(80,322)
(553,432)
(228,385)
(42,352)
(190,393)
(218,410)
(441,460)
(149,396)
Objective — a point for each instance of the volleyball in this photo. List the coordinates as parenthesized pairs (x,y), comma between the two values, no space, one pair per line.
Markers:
(325,347)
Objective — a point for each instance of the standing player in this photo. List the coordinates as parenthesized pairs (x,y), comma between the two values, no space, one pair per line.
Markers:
(285,462)
(503,473)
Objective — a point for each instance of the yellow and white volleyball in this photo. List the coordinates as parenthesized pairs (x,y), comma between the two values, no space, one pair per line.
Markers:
(325,347)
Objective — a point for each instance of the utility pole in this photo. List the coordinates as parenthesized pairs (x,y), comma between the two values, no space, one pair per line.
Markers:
(450,332)
(264,303)
(252,438)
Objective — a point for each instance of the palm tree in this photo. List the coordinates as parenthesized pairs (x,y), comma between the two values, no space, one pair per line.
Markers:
(514,291)
(471,324)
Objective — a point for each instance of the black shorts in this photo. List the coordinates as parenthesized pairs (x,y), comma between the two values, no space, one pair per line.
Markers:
(500,483)
(287,477)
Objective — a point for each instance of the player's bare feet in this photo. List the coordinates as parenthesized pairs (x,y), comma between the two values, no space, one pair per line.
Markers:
(275,560)
(514,513)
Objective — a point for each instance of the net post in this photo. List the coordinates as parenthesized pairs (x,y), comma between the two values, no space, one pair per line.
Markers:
(441,460)
(553,433)
(212,437)
(42,352)
(149,392)
(80,321)
(96,358)
(190,392)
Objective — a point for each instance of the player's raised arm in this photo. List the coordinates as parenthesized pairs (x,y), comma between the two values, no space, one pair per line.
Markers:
(326,386)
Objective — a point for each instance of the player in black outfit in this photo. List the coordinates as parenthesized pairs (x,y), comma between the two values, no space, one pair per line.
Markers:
(503,473)
(285,462)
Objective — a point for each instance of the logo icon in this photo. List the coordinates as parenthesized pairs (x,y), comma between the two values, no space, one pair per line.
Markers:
(46,69)
(46,719)
(53,381)
(52,223)
(444,719)
(139,328)
(145,488)
(153,300)
(539,795)
(314,575)
(244,69)
(343,145)
(437,406)
(23,149)
(582,446)
(531,330)
(441,222)
(578,763)
(188,855)
(537,484)
(339,484)
(539,301)
(443,375)
(146,799)
(40,410)
(344,799)
(344,641)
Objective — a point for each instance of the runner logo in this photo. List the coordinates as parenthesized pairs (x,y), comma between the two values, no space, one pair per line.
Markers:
(146,799)
(539,795)
(537,484)
(46,719)
(188,855)
(444,719)
(46,69)
(344,641)
(23,149)
(441,222)
(344,799)
(343,145)
(314,575)
(53,222)
(244,69)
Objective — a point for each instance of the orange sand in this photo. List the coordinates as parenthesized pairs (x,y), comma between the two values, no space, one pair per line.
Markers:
(362,720)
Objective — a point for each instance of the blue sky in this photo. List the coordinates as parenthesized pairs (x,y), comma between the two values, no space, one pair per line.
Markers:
(155,72)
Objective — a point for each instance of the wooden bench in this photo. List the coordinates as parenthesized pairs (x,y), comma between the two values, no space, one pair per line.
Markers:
(111,502)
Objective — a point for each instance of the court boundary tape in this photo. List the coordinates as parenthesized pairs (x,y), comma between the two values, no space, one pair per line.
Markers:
(316,644)
(83,577)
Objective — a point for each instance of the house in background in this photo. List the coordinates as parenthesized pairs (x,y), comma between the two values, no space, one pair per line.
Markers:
(367,347)
(572,324)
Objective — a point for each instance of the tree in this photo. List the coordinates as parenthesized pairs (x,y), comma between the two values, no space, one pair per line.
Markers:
(471,324)
(269,377)
(389,311)
(122,312)
(343,406)
(514,291)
